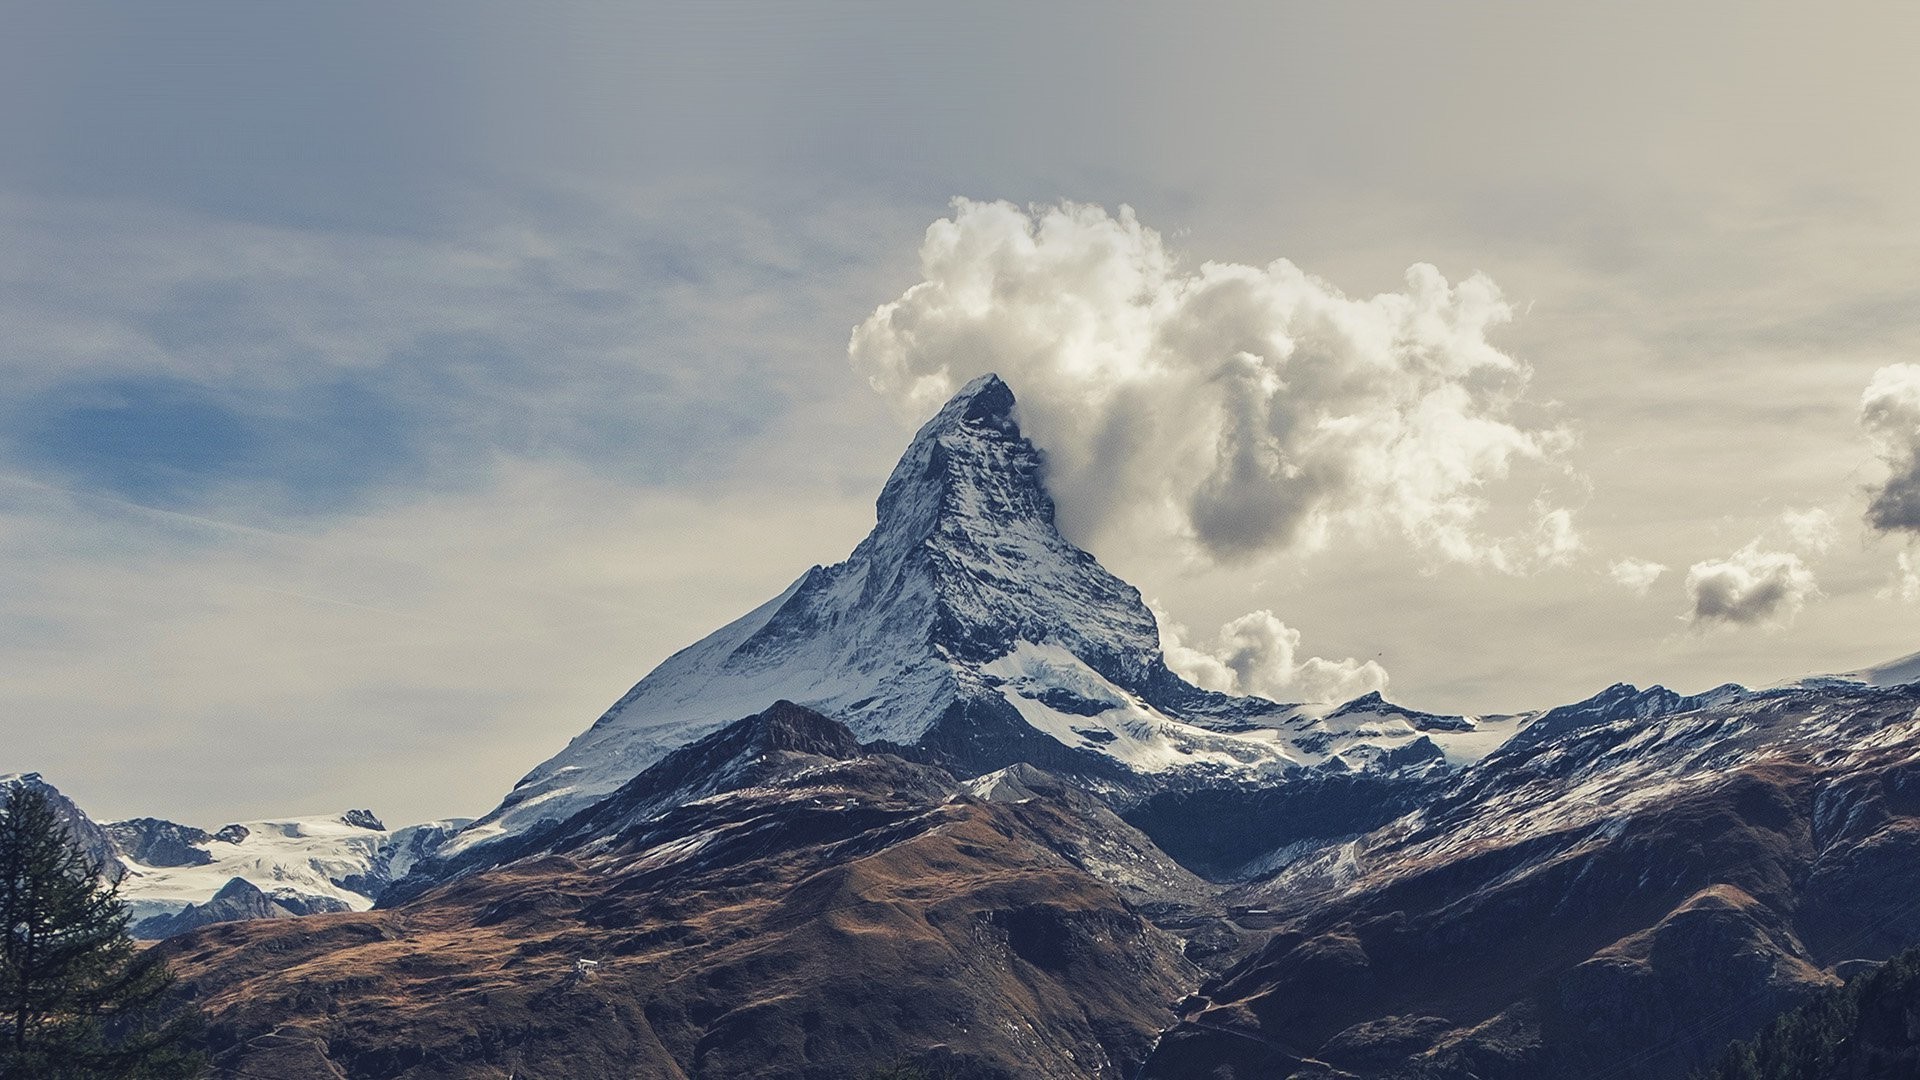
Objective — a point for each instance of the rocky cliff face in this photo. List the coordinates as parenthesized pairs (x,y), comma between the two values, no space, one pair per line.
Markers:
(156,842)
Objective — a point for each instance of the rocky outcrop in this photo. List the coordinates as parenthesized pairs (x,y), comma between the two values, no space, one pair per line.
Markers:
(1867,1030)
(155,842)
(238,899)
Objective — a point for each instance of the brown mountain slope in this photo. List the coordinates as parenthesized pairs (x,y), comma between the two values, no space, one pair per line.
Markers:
(1616,902)
(853,916)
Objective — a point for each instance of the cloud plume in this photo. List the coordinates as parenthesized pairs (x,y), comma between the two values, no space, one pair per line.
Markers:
(1247,410)
(1258,654)
(1751,587)
(1890,413)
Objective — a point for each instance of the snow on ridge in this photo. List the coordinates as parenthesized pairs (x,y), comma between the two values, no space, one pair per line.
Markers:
(1898,672)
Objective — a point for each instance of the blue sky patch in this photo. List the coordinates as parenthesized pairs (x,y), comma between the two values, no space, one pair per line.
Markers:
(165,441)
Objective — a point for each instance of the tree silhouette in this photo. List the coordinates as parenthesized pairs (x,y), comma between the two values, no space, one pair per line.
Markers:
(79,1001)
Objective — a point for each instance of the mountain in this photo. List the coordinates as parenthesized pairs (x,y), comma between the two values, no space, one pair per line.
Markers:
(173,877)
(965,626)
(942,807)
(303,864)
(818,910)
(1608,894)
(93,841)
(237,900)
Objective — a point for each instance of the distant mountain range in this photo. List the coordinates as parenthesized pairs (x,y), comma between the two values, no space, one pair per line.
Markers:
(169,873)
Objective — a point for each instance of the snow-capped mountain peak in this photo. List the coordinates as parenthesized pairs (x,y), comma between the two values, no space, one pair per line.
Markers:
(964,623)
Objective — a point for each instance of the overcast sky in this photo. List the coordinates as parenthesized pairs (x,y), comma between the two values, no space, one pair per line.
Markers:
(389,387)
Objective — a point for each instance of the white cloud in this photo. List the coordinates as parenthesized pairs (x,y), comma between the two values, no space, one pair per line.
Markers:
(1636,575)
(1248,410)
(1258,654)
(1890,413)
(1905,586)
(1555,540)
(1751,587)
(1812,530)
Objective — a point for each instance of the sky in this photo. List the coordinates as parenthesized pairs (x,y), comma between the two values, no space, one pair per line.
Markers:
(389,387)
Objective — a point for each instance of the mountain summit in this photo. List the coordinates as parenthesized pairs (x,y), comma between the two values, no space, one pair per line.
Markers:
(964,625)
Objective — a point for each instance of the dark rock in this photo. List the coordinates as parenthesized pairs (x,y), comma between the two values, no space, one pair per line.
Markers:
(154,842)
(237,900)
(92,840)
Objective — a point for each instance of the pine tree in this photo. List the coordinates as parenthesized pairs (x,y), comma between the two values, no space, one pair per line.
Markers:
(78,1000)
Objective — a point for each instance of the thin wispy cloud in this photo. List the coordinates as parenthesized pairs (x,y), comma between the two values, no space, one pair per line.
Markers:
(1635,575)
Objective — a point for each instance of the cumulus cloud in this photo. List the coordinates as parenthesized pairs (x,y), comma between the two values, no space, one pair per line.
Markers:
(1636,575)
(1751,587)
(1258,654)
(1248,410)
(1890,413)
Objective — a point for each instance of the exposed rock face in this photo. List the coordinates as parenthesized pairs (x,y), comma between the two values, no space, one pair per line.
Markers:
(238,899)
(841,913)
(1621,898)
(92,840)
(156,842)
(1233,834)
